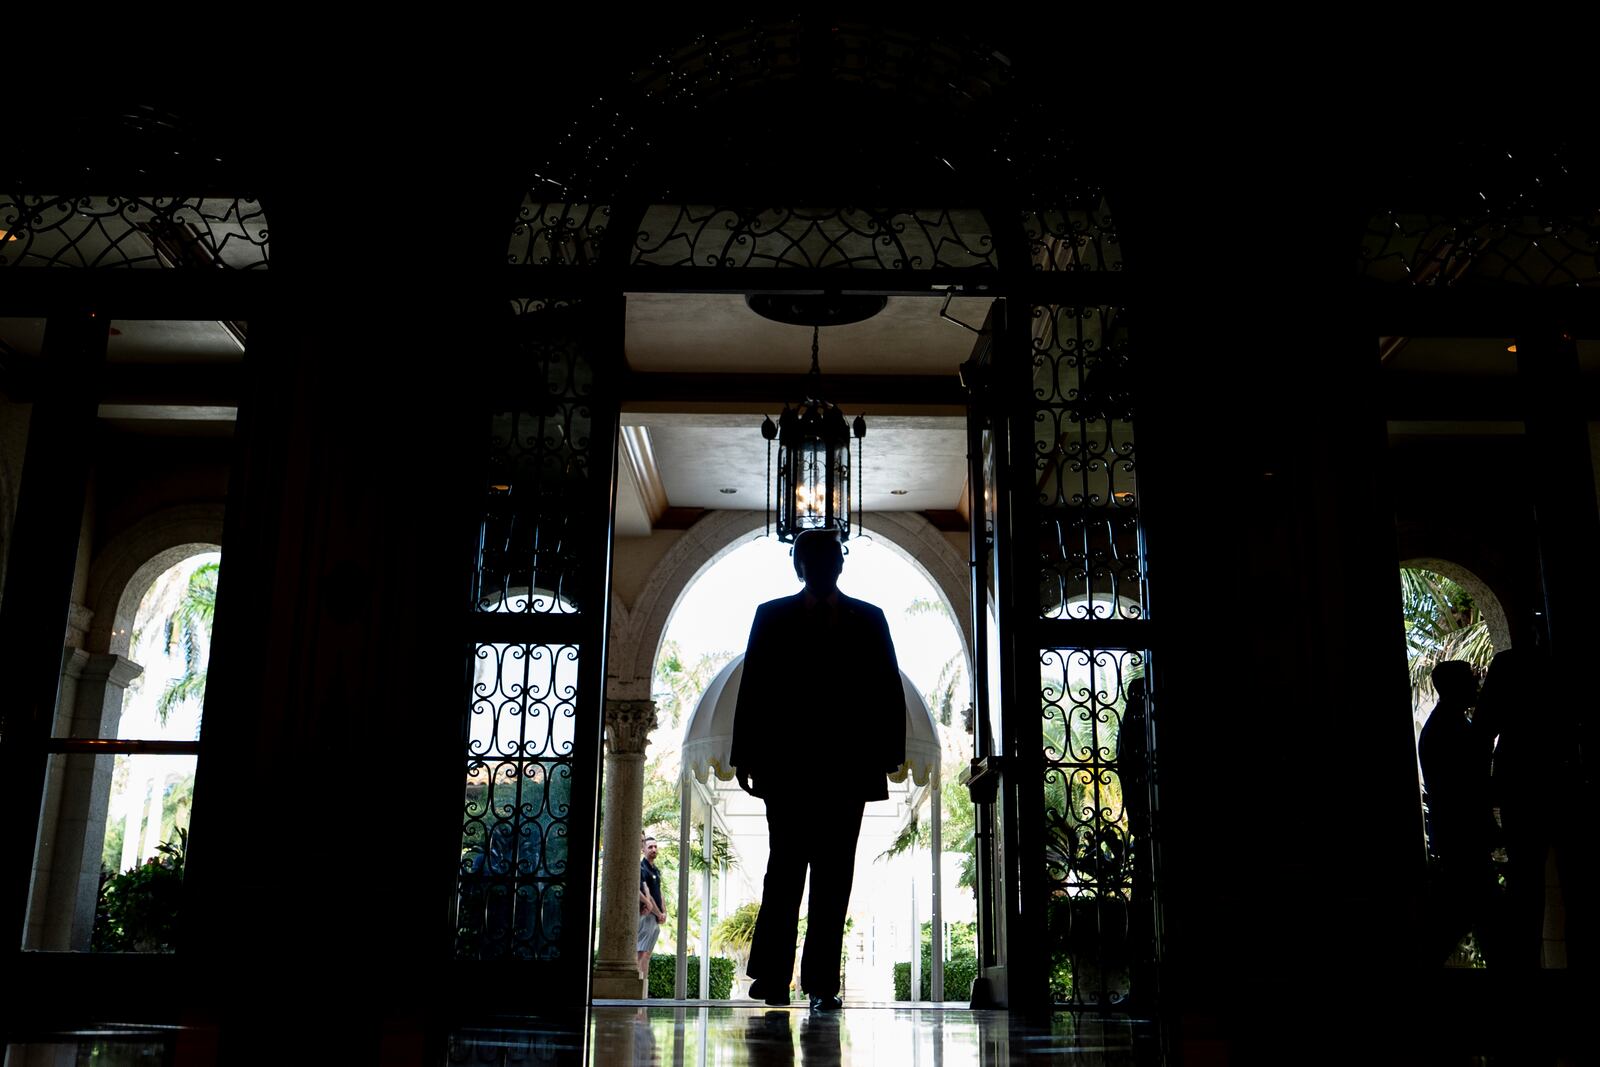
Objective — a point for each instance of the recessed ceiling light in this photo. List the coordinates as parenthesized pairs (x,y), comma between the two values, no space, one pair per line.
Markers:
(727,489)
(898,492)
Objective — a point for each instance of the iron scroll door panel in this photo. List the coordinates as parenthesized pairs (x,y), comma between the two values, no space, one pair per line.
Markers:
(533,698)
(1076,790)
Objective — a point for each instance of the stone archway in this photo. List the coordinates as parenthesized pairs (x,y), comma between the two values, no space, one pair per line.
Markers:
(1494,614)
(634,641)
(130,561)
(636,633)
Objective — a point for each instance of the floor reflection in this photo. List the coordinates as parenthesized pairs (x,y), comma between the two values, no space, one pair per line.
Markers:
(101,1047)
(754,1036)
(681,1035)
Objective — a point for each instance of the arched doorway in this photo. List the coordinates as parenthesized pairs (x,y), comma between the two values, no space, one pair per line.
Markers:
(1018,260)
(709,619)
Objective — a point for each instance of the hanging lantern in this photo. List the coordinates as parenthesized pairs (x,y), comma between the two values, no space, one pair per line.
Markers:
(813,479)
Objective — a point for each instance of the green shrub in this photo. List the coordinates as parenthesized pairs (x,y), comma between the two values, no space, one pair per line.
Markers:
(960,971)
(960,967)
(138,909)
(663,976)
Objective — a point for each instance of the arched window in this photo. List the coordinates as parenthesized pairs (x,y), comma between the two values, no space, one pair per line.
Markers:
(114,831)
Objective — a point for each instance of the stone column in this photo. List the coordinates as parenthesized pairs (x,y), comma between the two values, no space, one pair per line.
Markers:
(78,791)
(616,969)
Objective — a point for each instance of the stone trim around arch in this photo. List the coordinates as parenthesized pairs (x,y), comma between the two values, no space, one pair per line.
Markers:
(636,634)
(130,561)
(1480,592)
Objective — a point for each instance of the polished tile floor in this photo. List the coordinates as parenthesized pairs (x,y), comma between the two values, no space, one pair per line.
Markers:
(752,1035)
(688,1035)
(762,1037)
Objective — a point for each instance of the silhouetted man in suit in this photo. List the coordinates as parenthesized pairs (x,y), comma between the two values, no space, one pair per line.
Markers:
(821,720)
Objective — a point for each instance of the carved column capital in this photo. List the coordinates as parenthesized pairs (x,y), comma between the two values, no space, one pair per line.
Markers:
(628,726)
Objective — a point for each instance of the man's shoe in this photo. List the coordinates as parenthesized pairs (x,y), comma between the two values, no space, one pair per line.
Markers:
(832,1003)
(771,992)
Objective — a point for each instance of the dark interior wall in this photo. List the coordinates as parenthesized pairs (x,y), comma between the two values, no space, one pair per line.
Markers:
(137,475)
(338,651)
(1467,501)
(1289,814)
(13,440)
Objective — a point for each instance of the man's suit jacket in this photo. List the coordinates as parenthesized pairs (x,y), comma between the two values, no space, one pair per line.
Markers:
(821,711)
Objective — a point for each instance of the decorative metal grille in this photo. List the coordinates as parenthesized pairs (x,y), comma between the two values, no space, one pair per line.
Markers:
(519,771)
(1090,552)
(1079,238)
(528,558)
(552,230)
(698,98)
(1096,818)
(692,235)
(1410,248)
(190,233)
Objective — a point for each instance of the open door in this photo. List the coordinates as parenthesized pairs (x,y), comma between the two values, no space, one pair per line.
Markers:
(1062,762)
(987,512)
(533,698)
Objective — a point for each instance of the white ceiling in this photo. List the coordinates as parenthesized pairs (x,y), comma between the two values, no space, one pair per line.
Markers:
(698,456)
(694,457)
(716,332)
(140,340)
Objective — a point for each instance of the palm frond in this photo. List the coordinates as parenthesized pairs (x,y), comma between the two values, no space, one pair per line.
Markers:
(924,605)
(1441,623)
(188,628)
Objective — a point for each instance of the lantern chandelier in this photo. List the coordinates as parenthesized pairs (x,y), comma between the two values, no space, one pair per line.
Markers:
(813,483)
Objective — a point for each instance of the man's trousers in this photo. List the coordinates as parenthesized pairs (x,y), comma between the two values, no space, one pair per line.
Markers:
(819,835)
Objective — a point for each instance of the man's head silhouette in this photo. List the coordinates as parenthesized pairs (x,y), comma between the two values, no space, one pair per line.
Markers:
(1455,682)
(818,559)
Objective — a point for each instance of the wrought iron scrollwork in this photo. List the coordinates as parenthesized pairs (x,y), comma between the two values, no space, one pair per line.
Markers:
(553,230)
(1091,562)
(691,235)
(1487,213)
(1513,249)
(529,557)
(174,232)
(1097,818)
(519,771)
(1079,238)
(699,90)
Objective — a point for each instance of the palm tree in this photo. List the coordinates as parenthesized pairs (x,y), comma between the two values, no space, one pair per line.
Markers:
(958,830)
(1442,623)
(951,681)
(189,627)
(678,685)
